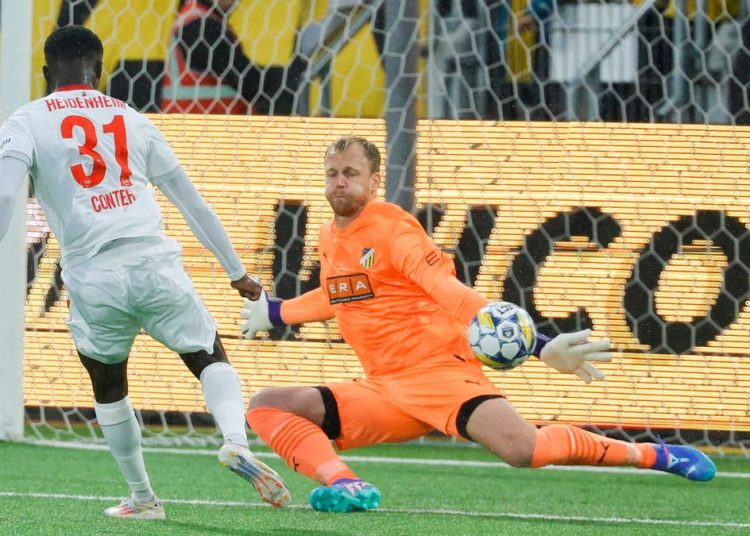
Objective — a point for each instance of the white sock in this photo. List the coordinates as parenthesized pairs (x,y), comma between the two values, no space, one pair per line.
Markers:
(222,391)
(123,436)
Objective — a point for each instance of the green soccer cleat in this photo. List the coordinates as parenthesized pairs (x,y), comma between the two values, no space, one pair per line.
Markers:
(684,461)
(345,495)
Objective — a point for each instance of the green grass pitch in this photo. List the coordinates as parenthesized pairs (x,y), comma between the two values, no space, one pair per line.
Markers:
(426,491)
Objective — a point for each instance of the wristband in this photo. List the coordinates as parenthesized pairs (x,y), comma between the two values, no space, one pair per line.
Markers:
(274,312)
(541,342)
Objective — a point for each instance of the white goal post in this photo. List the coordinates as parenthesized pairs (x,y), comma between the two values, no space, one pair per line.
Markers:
(15,88)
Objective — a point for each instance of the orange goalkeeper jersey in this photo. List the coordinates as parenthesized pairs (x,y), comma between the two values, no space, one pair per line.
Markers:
(394,294)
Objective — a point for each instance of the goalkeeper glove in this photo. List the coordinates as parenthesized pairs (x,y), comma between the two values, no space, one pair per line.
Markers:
(260,315)
(570,352)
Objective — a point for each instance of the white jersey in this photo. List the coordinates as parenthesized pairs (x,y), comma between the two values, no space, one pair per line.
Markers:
(91,158)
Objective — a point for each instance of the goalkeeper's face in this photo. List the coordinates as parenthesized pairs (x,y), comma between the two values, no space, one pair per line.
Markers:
(350,184)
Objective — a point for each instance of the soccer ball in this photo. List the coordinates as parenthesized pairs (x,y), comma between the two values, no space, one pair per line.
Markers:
(502,335)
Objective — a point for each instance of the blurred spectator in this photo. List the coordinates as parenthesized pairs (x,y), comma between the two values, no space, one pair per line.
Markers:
(323,35)
(489,59)
(709,41)
(724,43)
(518,57)
(462,33)
(316,34)
(208,72)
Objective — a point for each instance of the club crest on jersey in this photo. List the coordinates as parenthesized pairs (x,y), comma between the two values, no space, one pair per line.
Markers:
(368,257)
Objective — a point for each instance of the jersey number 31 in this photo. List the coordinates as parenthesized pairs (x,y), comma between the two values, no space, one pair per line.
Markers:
(99,168)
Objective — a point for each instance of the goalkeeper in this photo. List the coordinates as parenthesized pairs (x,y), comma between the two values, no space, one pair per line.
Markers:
(399,305)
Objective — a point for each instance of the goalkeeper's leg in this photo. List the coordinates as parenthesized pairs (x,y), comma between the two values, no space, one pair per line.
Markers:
(292,421)
(298,423)
(304,443)
(496,425)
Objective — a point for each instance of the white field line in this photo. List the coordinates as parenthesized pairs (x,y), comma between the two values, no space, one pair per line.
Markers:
(388,460)
(415,511)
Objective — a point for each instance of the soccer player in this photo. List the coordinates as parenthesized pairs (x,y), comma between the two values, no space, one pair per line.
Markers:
(91,159)
(381,278)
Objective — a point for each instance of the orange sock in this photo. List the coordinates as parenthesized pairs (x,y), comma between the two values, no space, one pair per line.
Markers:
(567,445)
(302,444)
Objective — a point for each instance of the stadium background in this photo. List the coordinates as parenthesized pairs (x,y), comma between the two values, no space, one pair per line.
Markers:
(135,35)
(565,217)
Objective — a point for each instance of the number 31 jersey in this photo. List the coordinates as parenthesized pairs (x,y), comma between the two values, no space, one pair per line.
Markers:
(91,158)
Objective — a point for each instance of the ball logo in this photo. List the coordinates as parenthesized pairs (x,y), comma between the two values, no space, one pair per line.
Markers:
(504,309)
(508,332)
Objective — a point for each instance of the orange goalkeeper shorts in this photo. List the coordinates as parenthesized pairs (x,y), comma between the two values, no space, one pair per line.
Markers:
(408,404)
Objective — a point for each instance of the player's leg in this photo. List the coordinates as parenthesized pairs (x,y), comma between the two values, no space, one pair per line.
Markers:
(172,313)
(123,436)
(496,425)
(299,423)
(103,332)
(222,392)
(470,406)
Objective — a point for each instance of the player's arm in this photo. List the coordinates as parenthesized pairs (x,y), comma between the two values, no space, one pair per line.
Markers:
(568,352)
(167,175)
(16,158)
(206,226)
(268,312)
(416,256)
(12,174)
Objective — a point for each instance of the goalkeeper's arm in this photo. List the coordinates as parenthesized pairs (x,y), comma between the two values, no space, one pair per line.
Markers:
(463,303)
(568,352)
(269,312)
(415,255)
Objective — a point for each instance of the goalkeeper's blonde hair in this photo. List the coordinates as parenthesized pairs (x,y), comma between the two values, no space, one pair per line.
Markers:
(371,150)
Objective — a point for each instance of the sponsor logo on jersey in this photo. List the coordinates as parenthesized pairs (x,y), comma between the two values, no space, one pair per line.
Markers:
(5,142)
(368,257)
(348,288)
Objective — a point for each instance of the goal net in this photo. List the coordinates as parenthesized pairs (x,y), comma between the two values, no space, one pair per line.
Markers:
(588,162)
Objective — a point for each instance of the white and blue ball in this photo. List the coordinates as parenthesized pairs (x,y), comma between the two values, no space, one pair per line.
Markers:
(502,335)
